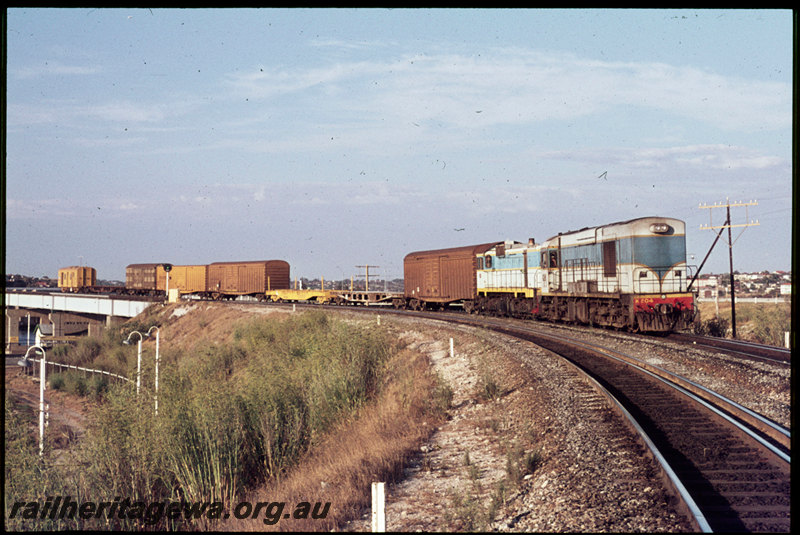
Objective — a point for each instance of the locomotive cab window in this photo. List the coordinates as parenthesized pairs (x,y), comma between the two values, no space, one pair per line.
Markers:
(553,259)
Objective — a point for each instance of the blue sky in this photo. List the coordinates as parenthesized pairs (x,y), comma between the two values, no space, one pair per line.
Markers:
(333,138)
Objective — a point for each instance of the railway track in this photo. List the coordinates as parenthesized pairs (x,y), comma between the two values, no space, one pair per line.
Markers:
(736,480)
(730,467)
(748,350)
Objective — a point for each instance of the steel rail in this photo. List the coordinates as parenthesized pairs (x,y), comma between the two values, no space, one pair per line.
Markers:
(776,432)
(696,515)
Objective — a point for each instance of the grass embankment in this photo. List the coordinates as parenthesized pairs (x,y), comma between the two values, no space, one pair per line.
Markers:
(764,323)
(287,404)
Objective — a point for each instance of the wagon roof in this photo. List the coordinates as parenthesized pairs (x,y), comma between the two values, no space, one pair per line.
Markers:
(248,262)
(155,264)
(467,249)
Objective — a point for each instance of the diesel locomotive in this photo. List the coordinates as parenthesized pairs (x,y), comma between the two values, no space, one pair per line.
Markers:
(630,274)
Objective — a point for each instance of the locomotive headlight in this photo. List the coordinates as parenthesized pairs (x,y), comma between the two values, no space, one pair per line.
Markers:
(659,228)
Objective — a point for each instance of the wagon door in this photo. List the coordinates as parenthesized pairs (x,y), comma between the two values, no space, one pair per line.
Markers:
(457,280)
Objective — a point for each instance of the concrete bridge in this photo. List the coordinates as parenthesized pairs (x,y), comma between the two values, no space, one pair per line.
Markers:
(66,314)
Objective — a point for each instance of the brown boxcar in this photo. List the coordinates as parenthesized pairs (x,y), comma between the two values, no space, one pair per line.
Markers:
(187,279)
(229,279)
(442,275)
(76,278)
(140,277)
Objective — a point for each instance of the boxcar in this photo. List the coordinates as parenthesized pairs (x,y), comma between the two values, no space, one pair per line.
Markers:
(76,278)
(231,279)
(442,276)
(142,278)
(186,279)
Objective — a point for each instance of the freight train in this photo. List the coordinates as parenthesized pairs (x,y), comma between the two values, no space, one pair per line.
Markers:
(631,274)
(220,280)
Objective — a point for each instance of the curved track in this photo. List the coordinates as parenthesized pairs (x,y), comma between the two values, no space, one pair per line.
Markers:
(738,479)
(737,483)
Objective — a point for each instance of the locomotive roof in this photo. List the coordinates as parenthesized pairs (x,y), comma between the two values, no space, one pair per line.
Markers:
(609,225)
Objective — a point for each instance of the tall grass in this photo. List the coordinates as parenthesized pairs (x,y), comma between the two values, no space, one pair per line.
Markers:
(231,417)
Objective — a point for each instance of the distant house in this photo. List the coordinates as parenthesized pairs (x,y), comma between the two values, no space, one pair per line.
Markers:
(707,287)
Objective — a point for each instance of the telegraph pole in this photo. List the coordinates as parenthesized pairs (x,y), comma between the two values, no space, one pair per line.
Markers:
(727,205)
(367,272)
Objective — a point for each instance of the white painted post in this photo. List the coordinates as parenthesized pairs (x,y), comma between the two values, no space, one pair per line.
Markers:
(451,348)
(42,380)
(379,319)
(786,339)
(28,340)
(294,307)
(139,366)
(378,508)
(157,340)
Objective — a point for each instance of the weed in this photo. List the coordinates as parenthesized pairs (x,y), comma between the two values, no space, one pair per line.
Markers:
(519,463)
(467,512)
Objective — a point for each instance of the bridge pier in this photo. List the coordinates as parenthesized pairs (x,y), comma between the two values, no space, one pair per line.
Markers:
(16,319)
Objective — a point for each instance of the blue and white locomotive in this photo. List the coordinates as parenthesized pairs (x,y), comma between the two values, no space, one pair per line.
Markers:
(631,274)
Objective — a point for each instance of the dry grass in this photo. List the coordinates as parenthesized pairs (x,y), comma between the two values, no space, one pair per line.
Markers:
(374,446)
(764,323)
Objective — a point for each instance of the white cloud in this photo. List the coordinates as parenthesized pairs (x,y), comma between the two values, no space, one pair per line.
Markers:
(512,86)
(696,157)
(51,68)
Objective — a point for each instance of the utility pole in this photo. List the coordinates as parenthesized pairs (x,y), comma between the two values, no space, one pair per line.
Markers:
(728,225)
(367,268)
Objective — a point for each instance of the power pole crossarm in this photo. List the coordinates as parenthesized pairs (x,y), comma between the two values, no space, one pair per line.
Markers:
(728,225)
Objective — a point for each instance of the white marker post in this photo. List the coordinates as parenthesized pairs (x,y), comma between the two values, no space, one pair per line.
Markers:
(378,508)
(158,333)
(452,353)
